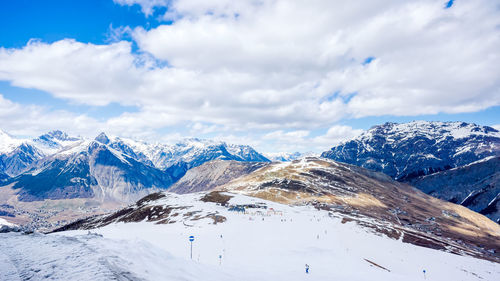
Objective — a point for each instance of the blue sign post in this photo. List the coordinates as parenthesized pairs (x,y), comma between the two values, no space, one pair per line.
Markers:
(424,274)
(191,239)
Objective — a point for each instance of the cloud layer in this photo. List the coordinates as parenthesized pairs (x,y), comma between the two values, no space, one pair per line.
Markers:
(280,68)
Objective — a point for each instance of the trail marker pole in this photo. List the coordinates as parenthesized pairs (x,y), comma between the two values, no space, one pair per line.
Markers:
(424,274)
(191,239)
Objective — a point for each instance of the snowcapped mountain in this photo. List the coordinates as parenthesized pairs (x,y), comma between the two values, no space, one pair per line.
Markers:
(20,159)
(475,186)
(288,156)
(54,141)
(408,150)
(17,155)
(89,169)
(176,159)
(194,152)
(58,166)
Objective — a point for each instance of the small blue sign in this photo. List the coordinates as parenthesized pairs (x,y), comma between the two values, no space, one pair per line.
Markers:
(191,238)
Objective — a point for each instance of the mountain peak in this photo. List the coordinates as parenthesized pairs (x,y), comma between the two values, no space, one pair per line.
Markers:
(59,135)
(102,138)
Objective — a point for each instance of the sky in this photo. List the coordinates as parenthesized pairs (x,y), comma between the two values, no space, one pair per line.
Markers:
(280,75)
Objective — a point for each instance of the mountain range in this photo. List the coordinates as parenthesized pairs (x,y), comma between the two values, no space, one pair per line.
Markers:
(288,156)
(453,161)
(57,166)
(444,159)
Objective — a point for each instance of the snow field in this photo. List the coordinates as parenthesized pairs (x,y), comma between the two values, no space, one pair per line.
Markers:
(277,247)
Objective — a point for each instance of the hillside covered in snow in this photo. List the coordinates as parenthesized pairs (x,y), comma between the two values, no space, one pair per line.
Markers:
(236,237)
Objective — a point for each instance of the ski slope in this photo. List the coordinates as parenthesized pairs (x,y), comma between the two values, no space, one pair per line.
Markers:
(258,245)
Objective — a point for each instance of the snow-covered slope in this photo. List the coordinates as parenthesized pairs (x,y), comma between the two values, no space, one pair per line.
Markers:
(408,150)
(6,226)
(475,186)
(267,241)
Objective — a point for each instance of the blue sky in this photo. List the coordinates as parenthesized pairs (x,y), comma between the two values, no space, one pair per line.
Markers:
(53,20)
(245,72)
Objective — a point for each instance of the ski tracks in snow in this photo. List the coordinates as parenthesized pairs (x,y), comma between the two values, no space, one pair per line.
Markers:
(53,257)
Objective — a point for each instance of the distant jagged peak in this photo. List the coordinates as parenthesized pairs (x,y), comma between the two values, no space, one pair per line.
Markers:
(60,135)
(198,142)
(102,138)
(289,156)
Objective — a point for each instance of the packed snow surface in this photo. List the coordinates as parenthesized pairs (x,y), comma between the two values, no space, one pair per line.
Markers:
(261,244)
(4,222)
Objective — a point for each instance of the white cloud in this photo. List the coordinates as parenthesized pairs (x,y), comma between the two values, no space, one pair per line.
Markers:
(281,68)
(428,59)
(82,73)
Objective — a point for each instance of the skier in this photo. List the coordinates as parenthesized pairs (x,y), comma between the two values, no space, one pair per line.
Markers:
(307,268)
